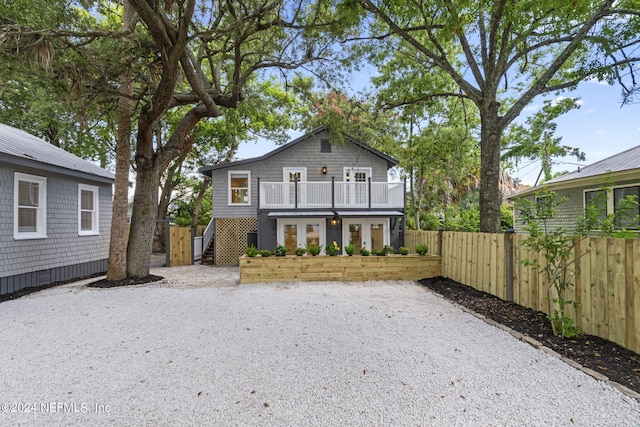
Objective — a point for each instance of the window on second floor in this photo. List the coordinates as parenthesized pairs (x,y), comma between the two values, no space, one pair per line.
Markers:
(240,188)
(87,210)
(30,206)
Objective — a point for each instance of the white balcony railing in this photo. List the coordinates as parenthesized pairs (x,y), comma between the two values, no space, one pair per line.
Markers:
(319,194)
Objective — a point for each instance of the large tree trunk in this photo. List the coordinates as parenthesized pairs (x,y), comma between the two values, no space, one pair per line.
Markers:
(143,219)
(117,266)
(198,203)
(490,195)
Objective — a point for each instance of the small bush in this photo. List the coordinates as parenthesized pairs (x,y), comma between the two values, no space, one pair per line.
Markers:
(332,249)
(349,249)
(403,250)
(300,251)
(421,249)
(364,252)
(251,251)
(264,253)
(280,250)
(314,249)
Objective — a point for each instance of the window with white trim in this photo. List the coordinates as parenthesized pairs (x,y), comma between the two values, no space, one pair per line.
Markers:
(240,188)
(30,206)
(620,200)
(87,210)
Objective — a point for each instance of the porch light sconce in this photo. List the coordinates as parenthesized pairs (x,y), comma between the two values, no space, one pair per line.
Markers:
(324,170)
(335,220)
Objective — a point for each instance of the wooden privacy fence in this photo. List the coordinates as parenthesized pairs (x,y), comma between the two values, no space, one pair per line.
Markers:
(605,273)
(180,246)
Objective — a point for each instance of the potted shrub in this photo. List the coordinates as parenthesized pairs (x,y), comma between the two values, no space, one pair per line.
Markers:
(364,252)
(251,251)
(386,249)
(349,249)
(280,250)
(403,250)
(421,249)
(314,249)
(332,249)
(300,251)
(264,253)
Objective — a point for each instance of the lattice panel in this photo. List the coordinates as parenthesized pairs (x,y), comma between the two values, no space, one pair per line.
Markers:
(231,238)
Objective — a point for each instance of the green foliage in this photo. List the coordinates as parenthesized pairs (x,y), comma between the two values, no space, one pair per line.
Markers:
(314,250)
(264,253)
(251,251)
(421,249)
(403,250)
(280,250)
(556,246)
(332,249)
(349,249)
(300,251)
(365,252)
(535,141)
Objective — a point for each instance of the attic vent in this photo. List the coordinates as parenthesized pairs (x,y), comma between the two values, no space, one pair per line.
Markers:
(325,146)
(28,156)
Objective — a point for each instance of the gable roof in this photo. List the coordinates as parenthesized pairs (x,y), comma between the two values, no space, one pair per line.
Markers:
(621,165)
(206,170)
(21,148)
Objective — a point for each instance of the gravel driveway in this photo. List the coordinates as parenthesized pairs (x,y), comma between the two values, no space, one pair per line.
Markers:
(197,349)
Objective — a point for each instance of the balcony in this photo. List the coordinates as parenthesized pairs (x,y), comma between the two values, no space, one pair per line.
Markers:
(331,194)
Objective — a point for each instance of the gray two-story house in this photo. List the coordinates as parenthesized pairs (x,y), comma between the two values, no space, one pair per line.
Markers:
(55,213)
(310,191)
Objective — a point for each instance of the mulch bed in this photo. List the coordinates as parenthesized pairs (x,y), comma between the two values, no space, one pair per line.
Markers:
(130,281)
(612,360)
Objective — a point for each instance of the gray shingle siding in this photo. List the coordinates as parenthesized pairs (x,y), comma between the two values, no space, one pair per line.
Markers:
(62,246)
(571,210)
(305,154)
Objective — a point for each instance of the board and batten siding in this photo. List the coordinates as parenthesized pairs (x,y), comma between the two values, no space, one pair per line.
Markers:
(304,154)
(63,246)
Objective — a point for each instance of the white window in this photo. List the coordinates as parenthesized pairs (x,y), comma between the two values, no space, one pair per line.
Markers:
(87,210)
(240,188)
(30,206)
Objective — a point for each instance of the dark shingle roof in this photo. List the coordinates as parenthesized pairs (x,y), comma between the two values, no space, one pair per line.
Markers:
(20,147)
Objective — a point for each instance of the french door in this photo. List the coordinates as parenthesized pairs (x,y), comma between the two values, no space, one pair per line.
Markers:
(357,180)
(369,233)
(300,233)
(291,175)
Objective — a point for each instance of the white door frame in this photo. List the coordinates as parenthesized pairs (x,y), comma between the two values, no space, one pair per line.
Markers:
(355,188)
(366,230)
(301,224)
(286,171)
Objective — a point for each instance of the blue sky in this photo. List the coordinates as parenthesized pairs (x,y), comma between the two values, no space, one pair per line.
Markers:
(600,128)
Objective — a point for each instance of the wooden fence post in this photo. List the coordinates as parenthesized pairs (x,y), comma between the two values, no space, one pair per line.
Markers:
(440,232)
(508,264)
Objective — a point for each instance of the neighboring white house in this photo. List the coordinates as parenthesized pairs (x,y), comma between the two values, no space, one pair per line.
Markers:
(55,213)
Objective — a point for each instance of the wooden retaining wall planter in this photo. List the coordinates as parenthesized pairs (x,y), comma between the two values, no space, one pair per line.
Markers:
(338,268)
